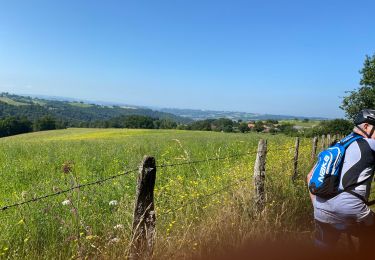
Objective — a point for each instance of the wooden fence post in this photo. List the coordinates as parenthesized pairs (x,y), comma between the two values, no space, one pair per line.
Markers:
(322,142)
(295,169)
(314,148)
(143,234)
(259,175)
(328,140)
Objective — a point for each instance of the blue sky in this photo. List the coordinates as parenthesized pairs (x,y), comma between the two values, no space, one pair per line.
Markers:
(279,57)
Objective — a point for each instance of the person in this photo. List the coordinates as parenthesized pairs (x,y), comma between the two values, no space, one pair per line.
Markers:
(348,212)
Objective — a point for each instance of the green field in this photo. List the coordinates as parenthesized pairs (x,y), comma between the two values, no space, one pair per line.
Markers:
(80,104)
(187,220)
(12,102)
(310,123)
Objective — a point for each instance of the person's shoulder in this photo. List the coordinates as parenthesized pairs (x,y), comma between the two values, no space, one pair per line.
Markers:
(371,142)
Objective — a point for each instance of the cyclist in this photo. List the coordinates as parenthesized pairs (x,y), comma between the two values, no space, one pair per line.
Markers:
(348,211)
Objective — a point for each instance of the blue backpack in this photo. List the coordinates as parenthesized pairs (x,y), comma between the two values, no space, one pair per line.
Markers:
(325,178)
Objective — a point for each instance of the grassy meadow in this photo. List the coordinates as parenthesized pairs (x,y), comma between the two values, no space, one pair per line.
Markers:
(96,221)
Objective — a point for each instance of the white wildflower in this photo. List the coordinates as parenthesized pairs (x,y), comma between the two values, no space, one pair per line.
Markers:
(119,227)
(24,194)
(113,203)
(66,202)
(114,240)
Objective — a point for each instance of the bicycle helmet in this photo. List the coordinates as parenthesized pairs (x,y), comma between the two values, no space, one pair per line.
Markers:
(365,116)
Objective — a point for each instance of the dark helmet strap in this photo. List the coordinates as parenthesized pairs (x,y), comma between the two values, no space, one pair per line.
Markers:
(363,131)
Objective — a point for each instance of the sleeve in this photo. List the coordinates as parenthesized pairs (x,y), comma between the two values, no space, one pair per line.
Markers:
(371,142)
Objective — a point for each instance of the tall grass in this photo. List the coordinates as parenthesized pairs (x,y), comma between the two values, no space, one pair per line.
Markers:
(188,222)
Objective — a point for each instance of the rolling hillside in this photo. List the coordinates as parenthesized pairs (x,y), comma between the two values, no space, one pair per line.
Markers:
(200,114)
(72,111)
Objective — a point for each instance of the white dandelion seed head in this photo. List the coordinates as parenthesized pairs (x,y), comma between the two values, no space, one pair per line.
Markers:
(66,202)
(113,203)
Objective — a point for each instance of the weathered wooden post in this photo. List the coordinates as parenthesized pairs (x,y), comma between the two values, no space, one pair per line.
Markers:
(334,138)
(328,140)
(143,233)
(314,148)
(259,175)
(295,160)
(322,142)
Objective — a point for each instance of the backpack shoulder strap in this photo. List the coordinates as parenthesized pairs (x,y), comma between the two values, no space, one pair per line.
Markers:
(348,140)
(356,195)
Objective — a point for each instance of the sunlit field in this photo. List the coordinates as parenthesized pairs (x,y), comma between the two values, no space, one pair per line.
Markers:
(196,205)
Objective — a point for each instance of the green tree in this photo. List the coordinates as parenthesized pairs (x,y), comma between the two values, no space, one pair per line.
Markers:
(45,123)
(336,126)
(288,128)
(364,96)
(203,125)
(223,124)
(271,122)
(243,127)
(165,124)
(14,125)
(259,126)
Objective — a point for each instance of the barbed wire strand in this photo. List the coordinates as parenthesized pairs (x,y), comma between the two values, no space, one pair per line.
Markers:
(126,173)
(67,190)
(218,158)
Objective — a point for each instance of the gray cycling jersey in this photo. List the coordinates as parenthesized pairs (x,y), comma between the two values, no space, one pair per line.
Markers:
(357,174)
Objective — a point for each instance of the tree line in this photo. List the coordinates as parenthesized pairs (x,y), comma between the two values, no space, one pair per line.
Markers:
(18,125)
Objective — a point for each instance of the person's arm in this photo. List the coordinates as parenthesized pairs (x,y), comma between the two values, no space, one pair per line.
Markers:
(312,197)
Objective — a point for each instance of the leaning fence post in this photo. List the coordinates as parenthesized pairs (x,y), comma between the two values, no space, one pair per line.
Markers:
(143,234)
(295,160)
(314,148)
(259,175)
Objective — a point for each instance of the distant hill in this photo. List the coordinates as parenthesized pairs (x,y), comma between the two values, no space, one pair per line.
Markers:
(73,111)
(197,114)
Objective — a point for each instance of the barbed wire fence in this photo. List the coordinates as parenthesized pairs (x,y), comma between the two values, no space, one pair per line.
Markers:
(127,172)
(144,213)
